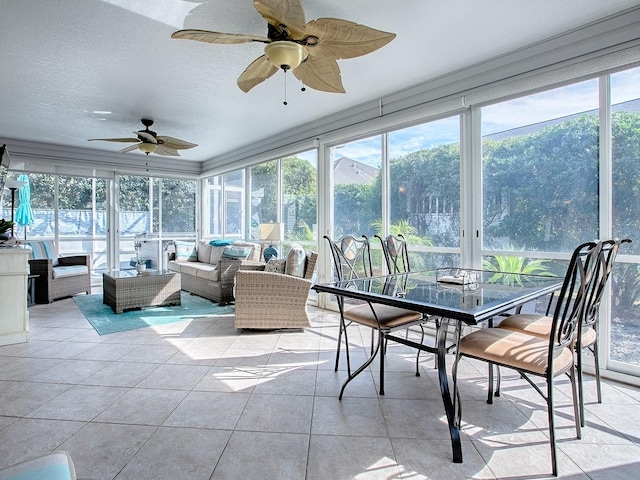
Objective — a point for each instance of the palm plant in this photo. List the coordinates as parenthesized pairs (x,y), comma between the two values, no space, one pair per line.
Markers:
(515,265)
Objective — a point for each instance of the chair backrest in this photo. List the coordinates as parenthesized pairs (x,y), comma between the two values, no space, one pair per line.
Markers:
(395,252)
(608,255)
(570,306)
(351,257)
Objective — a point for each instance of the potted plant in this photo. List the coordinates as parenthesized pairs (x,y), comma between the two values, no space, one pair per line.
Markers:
(5,229)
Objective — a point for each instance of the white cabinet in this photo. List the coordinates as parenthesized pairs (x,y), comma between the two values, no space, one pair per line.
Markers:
(14,316)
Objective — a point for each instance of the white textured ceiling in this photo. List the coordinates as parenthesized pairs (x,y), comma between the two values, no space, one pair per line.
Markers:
(72,70)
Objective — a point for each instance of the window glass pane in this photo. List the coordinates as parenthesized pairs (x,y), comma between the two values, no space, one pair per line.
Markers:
(213,196)
(424,189)
(540,170)
(135,215)
(264,195)
(300,193)
(178,206)
(625,283)
(75,213)
(357,188)
(233,203)
(42,199)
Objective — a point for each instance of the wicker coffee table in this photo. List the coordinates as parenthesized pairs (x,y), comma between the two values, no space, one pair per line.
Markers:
(126,289)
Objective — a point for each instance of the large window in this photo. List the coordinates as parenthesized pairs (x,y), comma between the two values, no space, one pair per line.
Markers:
(625,126)
(540,170)
(299,198)
(357,199)
(424,191)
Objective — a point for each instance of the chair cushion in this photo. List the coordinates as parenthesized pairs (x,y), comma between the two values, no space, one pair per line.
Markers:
(70,271)
(296,260)
(388,316)
(55,466)
(191,268)
(537,325)
(185,251)
(44,249)
(515,349)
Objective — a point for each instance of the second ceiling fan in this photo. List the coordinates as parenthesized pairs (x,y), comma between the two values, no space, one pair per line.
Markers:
(309,50)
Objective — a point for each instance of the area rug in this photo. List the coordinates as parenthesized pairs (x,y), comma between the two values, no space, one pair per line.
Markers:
(104,321)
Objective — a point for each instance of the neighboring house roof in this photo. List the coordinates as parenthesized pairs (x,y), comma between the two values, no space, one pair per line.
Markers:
(346,170)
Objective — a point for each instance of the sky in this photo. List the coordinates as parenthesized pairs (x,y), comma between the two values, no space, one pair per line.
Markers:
(540,107)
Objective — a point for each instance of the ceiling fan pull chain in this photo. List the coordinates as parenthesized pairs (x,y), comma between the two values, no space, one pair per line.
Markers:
(285,88)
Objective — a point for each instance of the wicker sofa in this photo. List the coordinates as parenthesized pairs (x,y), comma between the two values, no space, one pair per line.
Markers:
(208,270)
(276,297)
(58,277)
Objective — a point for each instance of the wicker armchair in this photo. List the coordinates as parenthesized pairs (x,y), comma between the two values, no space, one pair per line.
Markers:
(269,300)
(58,277)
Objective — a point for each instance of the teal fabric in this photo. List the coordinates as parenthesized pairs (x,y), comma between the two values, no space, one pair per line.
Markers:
(236,252)
(102,318)
(185,251)
(221,242)
(51,472)
(54,466)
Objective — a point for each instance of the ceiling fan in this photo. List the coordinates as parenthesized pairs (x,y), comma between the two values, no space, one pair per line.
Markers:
(148,141)
(309,50)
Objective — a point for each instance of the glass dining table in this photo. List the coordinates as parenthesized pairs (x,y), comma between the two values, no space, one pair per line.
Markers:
(452,297)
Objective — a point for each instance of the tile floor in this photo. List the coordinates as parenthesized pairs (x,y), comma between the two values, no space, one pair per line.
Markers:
(200,400)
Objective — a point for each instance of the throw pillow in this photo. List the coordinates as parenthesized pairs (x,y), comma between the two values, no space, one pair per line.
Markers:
(185,251)
(275,265)
(296,260)
(231,251)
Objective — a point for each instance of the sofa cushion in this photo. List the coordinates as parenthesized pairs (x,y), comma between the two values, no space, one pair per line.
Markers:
(174,266)
(204,251)
(216,254)
(296,259)
(255,249)
(185,251)
(276,265)
(190,268)
(233,251)
(208,272)
(44,249)
(70,271)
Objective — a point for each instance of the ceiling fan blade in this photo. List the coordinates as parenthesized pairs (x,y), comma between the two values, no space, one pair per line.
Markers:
(217,37)
(174,143)
(167,151)
(320,73)
(146,137)
(125,140)
(259,70)
(286,12)
(130,148)
(339,38)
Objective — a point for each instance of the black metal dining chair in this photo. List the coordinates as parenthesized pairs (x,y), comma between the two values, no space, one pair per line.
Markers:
(352,261)
(587,335)
(395,250)
(534,356)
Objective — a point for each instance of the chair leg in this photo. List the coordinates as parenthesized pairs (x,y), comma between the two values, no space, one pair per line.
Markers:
(578,368)
(552,427)
(596,363)
(418,354)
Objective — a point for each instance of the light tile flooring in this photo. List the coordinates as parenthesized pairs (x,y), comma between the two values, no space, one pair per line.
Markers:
(200,400)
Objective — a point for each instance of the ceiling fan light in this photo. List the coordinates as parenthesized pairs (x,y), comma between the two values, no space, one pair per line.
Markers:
(286,55)
(148,147)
